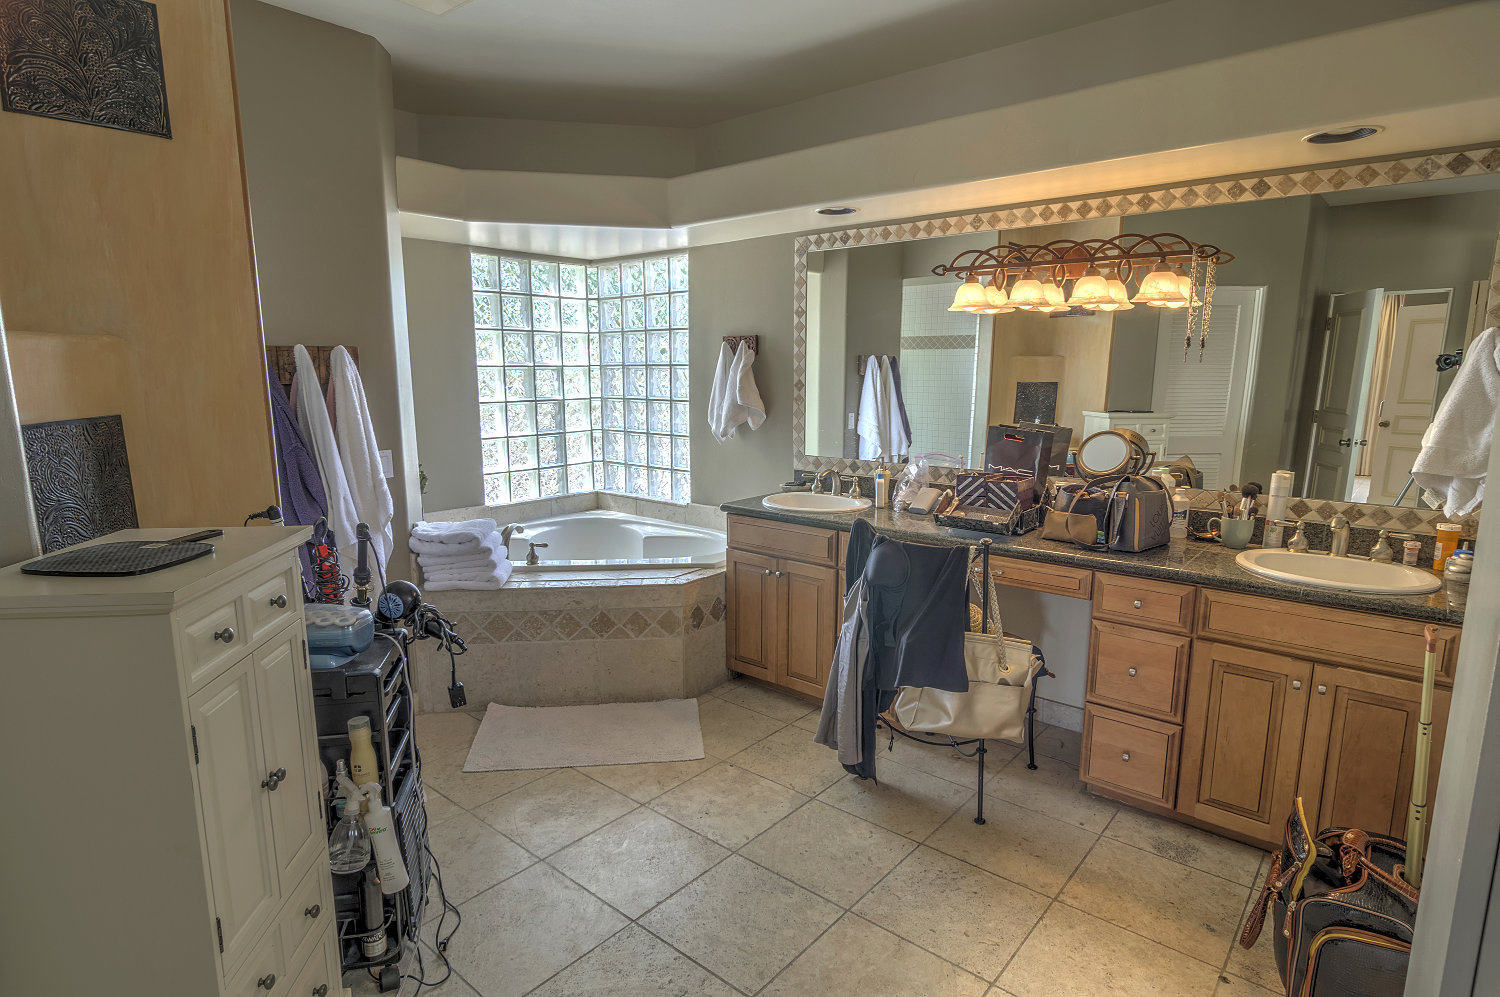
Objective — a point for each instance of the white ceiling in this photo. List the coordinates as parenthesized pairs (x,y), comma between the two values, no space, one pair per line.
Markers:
(677,62)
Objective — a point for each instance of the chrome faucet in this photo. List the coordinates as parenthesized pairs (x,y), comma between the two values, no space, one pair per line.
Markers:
(512,528)
(1339,528)
(1298,543)
(531,557)
(838,481)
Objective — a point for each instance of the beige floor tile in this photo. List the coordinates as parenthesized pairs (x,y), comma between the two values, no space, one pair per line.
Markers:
(1057,742)
(1233,986)
(728,804)
(651,967)
(520,933)
(554,811)
(730,729)
(791,757)
(967,916)
(638,861)
(777,705)
(1071,954)
(361,984)
(904,800)
(444,773)
(741,922)
(1023,846)
(439,807)
(1053,789)
(1187,910)
(855,958)
(648,780)
(719,689)
(834,854)
(809,722)
(943,761)
(1189,846)
(1256,965)
(445,733)
(473,856)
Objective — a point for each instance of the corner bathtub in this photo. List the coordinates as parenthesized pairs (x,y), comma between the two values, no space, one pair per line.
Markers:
(600,540)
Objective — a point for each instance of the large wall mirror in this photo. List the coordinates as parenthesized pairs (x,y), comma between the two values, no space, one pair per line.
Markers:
(1322,353)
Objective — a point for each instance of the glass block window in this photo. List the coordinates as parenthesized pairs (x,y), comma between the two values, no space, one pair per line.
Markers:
(583,378)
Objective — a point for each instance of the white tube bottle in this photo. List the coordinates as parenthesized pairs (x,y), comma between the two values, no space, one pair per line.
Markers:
(393,877)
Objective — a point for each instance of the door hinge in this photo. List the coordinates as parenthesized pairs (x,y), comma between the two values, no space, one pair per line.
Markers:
(305,665)
(219,930)
(194,729)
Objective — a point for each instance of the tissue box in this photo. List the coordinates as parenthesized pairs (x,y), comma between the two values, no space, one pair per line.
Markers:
(1000,491)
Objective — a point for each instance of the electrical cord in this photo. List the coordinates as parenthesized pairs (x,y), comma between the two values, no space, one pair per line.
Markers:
(436,874)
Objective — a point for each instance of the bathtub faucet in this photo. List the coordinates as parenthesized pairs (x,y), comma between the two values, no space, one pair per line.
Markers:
(512,528)
(531,557)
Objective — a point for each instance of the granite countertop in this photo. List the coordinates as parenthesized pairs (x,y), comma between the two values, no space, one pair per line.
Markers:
(1206,564)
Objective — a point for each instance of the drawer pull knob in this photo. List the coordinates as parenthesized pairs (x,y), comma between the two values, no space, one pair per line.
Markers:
(279,602)
(226,635)
(266,982)
(779,574)
(313,911)
(766,572)
(1132,673)
(273,779)
(321,990)
(1125,757)
(1137,604)
(1296,683)
(1322,690)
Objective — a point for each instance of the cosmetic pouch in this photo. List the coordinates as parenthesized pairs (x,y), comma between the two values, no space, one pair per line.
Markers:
(1006,490)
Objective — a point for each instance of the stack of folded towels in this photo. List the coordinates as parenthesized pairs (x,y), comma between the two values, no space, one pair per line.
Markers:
(467,555)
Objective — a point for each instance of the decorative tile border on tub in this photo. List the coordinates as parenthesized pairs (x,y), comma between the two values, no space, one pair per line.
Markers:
(627,623)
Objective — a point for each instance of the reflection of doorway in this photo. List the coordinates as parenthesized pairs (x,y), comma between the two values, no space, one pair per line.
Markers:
(1403,384)
(1209,401)
(1343,393)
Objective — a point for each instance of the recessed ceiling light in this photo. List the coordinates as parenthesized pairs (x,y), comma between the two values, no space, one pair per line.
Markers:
(438,7)
(1333,136)
(837,211)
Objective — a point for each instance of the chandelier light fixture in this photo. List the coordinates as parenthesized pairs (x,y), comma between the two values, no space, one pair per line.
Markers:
(1167,270)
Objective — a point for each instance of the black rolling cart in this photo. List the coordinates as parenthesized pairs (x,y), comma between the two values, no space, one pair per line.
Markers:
(377,683)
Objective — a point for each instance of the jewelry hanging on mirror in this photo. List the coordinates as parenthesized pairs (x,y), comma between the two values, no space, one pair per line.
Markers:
(1206,312)
(1193,310)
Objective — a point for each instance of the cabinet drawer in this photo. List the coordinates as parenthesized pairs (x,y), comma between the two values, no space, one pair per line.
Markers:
(1144,602)
(263,970)
(802,543)
(213,636)
(1132,754)
(315,979)
(274,597)
(305,913)
(1040,577)
(1138,670)
(1339,636)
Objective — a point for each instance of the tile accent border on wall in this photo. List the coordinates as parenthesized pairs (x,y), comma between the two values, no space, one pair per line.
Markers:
(1412,168)
(610,623)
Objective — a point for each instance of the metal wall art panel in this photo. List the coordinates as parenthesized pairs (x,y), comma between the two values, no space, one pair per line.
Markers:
(80,479)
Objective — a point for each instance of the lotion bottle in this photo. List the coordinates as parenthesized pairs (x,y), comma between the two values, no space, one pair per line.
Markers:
(362,765)
(882,487)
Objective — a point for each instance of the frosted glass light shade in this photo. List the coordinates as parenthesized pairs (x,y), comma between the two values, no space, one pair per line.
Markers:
(1054,295)
(1119,294)
(1091,291)
(1159,287)
(994,293)
(1027,294)
(969,296)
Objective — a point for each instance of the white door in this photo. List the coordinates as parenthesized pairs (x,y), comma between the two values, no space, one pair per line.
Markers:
(1343,391)
(236,813)
(1404,405)
(1208,399)
(284,686)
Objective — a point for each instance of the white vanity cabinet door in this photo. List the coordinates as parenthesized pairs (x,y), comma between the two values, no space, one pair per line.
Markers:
(226,716)
(283,685)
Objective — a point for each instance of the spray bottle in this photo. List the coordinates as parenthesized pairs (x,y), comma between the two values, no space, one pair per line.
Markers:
(393,877)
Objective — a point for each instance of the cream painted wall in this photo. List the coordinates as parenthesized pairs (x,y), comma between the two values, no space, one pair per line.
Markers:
(445,393)
(552,146)
(17,523)
(320,138)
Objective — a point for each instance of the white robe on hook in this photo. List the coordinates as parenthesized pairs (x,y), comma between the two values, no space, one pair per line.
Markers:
(360,456)
(881,433)
(312,417)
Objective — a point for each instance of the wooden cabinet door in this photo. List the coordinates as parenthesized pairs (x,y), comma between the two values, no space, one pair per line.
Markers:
(283,687)
(809,597)
(1243,738)
(754,613)
(1360,752)
(236,811)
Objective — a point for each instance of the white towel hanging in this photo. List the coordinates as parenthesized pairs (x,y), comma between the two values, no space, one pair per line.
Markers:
(360,455)
(312,416)
(1455,455)
(719,396)
(748,407)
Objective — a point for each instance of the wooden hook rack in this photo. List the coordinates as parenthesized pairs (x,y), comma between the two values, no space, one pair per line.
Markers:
(751,341)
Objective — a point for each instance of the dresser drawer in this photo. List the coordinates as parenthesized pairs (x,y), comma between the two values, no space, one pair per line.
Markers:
(273,597)
(263,970)
(1143,602)
(1142,671)
(305,913)
(801,543)
(1041,577)
(1131,754)
(316,978)
(213,636)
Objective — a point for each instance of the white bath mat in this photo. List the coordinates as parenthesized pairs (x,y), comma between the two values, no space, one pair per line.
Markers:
(554,737)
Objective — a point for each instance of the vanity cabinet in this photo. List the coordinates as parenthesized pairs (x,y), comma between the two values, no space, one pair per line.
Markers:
(783,614)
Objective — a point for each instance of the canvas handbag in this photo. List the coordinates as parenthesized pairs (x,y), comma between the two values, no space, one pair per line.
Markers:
(1001,670)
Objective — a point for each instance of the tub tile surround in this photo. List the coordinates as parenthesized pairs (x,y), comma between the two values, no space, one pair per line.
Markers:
(707,517)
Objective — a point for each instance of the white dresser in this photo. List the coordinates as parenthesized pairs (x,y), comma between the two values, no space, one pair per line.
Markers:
(1156,427)
(164,830)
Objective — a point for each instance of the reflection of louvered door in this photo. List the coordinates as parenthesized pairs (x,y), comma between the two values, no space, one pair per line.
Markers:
(1207,397)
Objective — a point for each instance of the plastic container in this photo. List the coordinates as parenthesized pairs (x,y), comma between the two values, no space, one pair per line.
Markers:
(363,767)
(338,631)
(1447,542)
(1456,578)
(1177,535)
(1412,549)
(882,487)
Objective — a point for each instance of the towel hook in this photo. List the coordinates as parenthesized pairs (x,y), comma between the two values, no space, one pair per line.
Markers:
(751,341)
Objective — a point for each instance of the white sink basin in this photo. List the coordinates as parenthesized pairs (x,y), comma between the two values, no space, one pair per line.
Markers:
(814,502)
(1346,573)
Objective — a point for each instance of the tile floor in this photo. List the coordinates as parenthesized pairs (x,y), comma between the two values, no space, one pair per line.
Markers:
(764,869)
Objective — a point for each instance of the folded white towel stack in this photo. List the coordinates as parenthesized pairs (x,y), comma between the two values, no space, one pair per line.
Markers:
(468,555)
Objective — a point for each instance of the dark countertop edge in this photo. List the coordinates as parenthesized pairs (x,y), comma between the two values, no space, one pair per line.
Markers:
(1206,564)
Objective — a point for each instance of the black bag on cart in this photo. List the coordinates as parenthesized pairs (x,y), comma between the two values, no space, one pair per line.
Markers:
(1342,915)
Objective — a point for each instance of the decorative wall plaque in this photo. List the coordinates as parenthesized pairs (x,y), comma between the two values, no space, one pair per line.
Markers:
(93,61)
(80,479)
(1036,401)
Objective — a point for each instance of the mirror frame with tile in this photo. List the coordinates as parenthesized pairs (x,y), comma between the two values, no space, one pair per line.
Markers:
(1414,167)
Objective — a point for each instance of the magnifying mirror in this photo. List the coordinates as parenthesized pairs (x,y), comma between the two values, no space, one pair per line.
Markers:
(1111,452)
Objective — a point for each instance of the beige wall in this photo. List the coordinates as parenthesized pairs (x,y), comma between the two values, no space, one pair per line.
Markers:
(127,285)
(17,529)
(320,158)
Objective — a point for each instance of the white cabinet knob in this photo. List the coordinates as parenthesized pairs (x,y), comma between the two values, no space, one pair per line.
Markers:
(1296,683)
(1137,604)
(1132,673)
(1125,757)
(1322,690)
